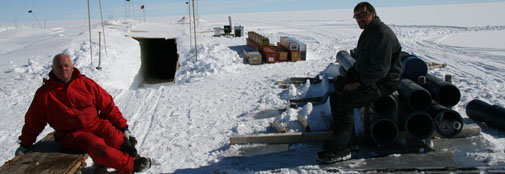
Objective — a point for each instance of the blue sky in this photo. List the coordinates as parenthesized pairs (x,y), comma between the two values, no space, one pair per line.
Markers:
(17,10)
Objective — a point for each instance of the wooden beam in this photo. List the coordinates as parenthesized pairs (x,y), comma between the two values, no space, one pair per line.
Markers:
(282,138)
(310,99)
(433,65)
(284,86)
(304,137)
(301,79)
(468,130)
(77,164)
(47,156)
(10,162)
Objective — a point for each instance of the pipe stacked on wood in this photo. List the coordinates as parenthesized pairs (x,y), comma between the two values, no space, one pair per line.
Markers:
(418,108)
(448,122)
(383,120)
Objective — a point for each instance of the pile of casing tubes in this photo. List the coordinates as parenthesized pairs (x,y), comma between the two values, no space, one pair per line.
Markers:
(421,105)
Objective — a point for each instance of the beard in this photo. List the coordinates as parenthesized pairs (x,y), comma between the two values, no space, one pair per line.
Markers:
(362,24)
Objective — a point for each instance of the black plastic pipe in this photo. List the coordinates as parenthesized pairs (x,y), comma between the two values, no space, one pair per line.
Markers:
(443,92)
(342,71)
(416,97)
(418,125)
(345,60)
(448,123)
(412,66)
(383,130)
(492,115)
(385,105)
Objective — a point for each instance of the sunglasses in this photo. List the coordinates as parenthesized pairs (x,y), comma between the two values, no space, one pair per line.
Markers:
(360,15)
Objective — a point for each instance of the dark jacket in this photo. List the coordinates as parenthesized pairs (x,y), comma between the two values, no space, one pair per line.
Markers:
(378,55)
(68,108)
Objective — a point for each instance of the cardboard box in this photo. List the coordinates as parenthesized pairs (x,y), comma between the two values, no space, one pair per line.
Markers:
(269,55)
(289,44)
(303,48)
(281,54)
(252,56)
(252,44)
(264,41)
(295,56)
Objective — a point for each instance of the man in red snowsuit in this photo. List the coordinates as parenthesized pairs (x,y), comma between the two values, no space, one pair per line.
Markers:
(85,118)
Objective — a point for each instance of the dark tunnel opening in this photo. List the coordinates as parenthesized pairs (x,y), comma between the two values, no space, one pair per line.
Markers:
(159,59)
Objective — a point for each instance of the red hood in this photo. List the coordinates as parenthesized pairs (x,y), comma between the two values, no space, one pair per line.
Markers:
(54,81)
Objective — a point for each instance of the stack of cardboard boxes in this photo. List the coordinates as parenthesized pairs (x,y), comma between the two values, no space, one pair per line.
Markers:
(297,49)
(288,49)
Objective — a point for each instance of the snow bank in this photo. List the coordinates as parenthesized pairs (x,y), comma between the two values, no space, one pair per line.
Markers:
(212,58)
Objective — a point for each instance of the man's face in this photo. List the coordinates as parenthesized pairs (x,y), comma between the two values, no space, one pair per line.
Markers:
(63,68)
(363,18)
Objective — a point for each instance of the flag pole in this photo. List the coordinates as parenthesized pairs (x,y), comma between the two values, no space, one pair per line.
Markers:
(125,11)
(194,29)
(103,28)
(35,18)
(143,10)
(189,22)
(99,50)
(90,46)
(128,9)
(133,11)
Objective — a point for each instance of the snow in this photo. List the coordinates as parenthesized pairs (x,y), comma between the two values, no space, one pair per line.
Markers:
(185,126)
(479,39)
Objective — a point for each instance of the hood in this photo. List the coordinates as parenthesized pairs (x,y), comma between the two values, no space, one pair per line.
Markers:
(54,81)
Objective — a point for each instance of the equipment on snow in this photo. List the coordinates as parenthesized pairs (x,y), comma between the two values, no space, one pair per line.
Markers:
(492,115)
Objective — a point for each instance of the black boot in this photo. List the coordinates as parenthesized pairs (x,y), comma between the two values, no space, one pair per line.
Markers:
(329,157)
(337,149)
(141,164)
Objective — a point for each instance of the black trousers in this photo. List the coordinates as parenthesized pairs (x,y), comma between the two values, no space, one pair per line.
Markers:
(342,105)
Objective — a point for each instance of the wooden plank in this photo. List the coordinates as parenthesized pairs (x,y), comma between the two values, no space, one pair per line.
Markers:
(262,149)
(46,157)
(298,81)
(309,99)
(304,137)
(284,86)
(282,138)
(433,65)
(468,130)
(302,79)
(278,126)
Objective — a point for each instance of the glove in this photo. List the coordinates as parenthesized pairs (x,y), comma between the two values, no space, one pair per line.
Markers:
(353,74)
(21,150)
(129,137)
(129,143)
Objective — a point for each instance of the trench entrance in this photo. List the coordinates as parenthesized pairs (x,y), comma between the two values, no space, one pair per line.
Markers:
(159,59)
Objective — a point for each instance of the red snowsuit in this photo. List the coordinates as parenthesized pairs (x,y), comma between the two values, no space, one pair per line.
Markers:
(84,116)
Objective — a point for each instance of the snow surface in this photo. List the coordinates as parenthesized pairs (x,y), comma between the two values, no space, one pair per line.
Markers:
(185,126)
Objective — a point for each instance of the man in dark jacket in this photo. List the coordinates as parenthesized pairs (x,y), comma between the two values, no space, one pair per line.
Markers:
(84,117)
(376,73)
